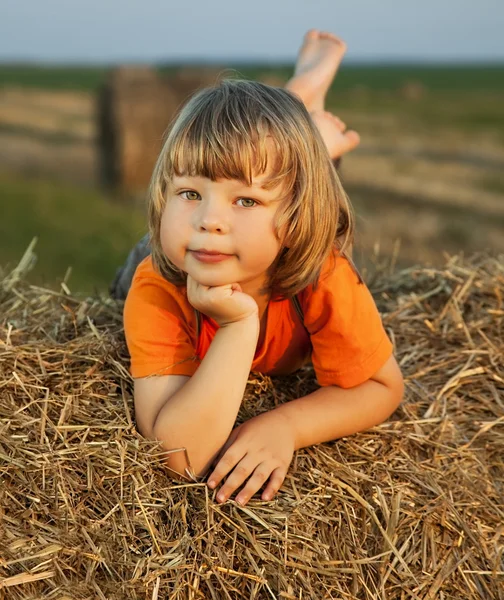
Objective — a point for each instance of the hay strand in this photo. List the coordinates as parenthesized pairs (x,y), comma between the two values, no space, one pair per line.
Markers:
(410,509)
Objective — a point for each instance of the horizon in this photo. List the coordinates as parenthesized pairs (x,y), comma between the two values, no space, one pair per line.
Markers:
(250,62)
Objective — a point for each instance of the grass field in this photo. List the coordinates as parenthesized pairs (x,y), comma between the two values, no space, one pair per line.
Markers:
(75,227)
(487,78)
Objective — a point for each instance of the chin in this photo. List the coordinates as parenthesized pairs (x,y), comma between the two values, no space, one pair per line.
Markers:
(209,279)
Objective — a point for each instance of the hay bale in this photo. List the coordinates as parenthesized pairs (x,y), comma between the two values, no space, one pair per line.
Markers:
(135,107)
(410,509)
(413,91)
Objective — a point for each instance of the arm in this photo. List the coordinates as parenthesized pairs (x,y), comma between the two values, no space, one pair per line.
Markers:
(200,415)
(332,412)
(267,442)
(197,411)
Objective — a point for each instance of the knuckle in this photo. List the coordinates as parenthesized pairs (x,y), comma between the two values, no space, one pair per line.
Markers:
(227,462)
(241,471)
(277,479)
(261,475)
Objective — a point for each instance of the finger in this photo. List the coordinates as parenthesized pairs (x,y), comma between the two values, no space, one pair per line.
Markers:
(232,437)
(240,473)
(228,461)
(254,484)
(217,458)
(274,484)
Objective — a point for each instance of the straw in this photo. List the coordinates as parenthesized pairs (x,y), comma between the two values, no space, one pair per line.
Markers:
(413,508)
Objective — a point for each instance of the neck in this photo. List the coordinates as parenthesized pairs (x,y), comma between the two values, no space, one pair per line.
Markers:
(262,298)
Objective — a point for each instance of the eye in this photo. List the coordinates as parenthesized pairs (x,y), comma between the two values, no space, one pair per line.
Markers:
(247,202)
(190,195)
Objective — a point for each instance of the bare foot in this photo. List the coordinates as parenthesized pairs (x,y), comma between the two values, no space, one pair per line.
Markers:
(318,60)
(332,129)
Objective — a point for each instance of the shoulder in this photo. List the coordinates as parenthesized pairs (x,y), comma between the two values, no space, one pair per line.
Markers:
(348,339)
(152,294)
(147,281)
(339,300)
(337,276)
(159,325)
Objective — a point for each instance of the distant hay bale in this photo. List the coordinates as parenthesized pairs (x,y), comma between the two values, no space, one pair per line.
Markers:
(135,107)
(413,90)
(410,509)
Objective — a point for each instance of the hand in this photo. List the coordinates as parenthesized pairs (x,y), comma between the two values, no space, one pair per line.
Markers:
(225,304)
(262,447)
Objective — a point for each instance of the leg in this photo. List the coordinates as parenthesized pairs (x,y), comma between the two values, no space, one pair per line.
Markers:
(124,276)
(318,61)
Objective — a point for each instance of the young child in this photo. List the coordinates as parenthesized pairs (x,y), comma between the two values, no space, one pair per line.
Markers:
(318,60)
(249,270)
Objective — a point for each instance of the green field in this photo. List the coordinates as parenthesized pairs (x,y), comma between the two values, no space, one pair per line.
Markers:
(488,78)
(77,228)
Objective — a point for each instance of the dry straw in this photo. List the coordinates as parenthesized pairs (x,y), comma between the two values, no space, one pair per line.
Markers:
(410,509)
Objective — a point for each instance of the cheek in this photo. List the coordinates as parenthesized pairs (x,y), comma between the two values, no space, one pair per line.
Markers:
(260,237)
(171,233)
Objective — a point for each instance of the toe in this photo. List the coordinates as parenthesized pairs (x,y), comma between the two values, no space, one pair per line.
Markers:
(341,124)
(334,38)
(353,139)
(311,34)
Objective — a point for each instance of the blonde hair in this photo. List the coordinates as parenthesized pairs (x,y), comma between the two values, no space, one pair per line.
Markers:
(222,133)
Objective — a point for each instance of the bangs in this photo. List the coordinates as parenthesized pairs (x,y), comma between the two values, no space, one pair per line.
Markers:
(222,136)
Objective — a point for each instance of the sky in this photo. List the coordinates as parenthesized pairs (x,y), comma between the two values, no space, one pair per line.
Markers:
(143,31)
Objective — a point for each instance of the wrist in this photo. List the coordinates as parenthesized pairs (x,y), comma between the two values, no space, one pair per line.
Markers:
(289,421)
(249,322)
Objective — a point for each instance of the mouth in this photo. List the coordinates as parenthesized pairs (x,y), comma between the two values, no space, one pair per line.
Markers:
(209,256)
(211,252)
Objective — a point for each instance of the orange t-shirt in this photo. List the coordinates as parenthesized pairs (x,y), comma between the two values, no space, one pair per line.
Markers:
(342,331)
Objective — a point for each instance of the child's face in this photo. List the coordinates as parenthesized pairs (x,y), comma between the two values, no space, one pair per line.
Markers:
(225,216)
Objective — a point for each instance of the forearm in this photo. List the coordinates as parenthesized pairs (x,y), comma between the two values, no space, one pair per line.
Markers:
(201,415)
(331,412)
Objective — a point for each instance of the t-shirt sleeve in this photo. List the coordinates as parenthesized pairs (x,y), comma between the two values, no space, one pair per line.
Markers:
(159,326)
(348,338)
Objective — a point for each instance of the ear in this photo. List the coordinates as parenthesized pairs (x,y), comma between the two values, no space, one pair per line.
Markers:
(283,236)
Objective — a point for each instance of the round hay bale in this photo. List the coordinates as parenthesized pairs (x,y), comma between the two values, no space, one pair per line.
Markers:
(135,107)
(413,91)
(410,509)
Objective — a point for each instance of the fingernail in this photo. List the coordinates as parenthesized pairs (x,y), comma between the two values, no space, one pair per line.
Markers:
(211,483)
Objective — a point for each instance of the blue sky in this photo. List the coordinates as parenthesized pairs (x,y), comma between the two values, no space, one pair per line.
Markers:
(107,31)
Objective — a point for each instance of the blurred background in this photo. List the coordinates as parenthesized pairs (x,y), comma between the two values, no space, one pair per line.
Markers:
(88,90)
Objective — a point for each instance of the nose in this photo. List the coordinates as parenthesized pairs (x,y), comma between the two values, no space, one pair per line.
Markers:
(210,217)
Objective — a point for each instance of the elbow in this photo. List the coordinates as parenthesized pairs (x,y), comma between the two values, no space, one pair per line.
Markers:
(396,393)
(144,429)
(181,461)
(391,378)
